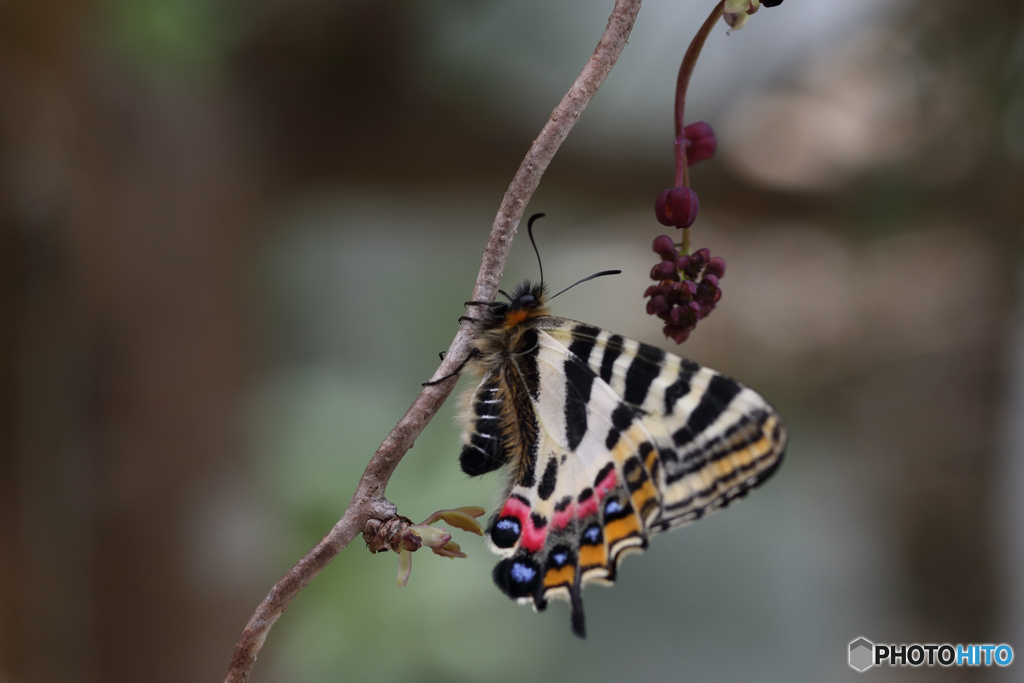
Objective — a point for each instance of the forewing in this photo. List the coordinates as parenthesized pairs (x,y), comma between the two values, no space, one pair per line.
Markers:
(716,439)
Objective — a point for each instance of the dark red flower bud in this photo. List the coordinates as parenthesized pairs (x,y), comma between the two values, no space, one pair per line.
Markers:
(716,267)
(657,304)
(677,206)
(706,290)
(664,247)
(700,142)
(683,262)
(684,291)
(686,314)
(676,333)
(665,270)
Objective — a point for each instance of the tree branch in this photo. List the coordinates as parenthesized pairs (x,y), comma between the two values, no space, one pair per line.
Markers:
(368,502)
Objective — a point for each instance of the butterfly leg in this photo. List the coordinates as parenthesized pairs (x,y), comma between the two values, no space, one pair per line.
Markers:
(472,354)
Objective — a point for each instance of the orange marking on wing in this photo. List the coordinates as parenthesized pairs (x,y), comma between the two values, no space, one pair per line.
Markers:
(621,528)
(652,458)
(643,496)
(592,556)
(559,577)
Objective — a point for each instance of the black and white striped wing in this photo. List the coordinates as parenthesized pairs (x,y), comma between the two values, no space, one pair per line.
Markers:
(625,440)
(716,438)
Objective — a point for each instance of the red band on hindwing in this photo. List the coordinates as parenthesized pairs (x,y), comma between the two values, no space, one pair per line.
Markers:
(587,507)
(532,538)
(606,485)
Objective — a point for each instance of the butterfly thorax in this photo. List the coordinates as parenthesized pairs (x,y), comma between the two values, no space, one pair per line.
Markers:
(506,330)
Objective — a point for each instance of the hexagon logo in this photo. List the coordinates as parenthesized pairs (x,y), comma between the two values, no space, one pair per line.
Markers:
(862,654)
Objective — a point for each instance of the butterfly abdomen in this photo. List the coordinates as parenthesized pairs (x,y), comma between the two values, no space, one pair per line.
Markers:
(503,426)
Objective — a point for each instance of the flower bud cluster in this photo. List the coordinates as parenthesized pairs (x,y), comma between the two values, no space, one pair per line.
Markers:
(687,287)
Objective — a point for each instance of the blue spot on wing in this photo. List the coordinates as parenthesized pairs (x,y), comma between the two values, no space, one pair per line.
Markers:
(522,573)
(508,525)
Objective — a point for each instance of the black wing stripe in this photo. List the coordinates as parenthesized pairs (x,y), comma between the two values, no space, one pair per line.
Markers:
(681,386)
(549,480)
(738,491)
(715,401)
(622,418)
(646,366)
(579,380)
(736,437)
(612,350)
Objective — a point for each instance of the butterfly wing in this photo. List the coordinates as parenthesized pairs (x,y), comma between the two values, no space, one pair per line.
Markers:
(716,439)
(572,517)
(609,440)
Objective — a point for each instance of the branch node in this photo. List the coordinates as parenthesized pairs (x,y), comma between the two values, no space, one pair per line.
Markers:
(385,530)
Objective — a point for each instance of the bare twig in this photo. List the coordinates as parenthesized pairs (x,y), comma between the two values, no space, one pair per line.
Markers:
(368,502)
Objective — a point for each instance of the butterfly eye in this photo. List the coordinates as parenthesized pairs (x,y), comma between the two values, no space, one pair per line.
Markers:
(527,299)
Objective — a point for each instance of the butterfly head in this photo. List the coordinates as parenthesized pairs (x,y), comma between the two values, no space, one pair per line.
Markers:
(527,301)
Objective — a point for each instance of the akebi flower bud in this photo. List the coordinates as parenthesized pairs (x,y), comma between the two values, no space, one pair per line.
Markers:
(701,142)
(677,206)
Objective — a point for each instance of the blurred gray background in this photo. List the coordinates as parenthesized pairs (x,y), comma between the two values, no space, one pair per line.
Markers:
(234,236)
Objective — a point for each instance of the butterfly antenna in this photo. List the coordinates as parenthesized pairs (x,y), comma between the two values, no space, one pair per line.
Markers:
(529,231)
(589,277)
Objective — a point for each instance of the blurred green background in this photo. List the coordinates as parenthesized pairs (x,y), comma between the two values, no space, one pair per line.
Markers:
(234,236)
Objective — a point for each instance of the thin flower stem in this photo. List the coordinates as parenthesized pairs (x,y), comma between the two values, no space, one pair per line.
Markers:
(682,83)
(368,503)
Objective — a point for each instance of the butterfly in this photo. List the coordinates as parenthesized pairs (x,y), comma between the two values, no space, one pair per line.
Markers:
(606,442)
